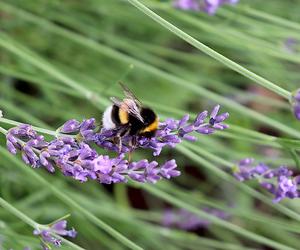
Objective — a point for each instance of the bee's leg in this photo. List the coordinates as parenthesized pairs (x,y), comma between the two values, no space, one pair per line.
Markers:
(123,131)
(118,141)
(132,145)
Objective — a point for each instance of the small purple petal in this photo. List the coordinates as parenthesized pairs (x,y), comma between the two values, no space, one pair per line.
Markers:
(10,147)
(200,118)
(215,111)
(205,130)
(184,120)
(70,126)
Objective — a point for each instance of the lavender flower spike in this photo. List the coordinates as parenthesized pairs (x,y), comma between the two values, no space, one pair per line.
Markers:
(49,235)
(277,181)
(72,154)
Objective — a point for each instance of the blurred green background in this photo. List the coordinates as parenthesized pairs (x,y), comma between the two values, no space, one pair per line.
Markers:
(62,60)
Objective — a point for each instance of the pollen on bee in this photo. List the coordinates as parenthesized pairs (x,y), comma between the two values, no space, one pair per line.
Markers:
(123,115)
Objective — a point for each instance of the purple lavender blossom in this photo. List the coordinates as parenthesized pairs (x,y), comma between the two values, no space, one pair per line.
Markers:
(187,4)
(185,220)
(295,102)
(211,6)
(169,133)
(208,6)
(277,181)
(49,236)
(79,161)
(72,154)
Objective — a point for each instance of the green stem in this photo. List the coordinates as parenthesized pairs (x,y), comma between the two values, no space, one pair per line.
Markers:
(222,223)
(270,17)
(205,49)
(38,129)
(121,196)
(18,213)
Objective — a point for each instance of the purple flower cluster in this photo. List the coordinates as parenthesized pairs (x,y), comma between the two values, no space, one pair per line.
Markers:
(208,6)
(72,153)
(49,236)
(80,161)
(186,220)
(277,181)
(169,133)
(295,101)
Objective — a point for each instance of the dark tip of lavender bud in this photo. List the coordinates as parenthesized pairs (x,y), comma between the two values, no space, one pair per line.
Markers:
(212,121)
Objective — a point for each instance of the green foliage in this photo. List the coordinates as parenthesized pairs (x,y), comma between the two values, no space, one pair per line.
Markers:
(62,59)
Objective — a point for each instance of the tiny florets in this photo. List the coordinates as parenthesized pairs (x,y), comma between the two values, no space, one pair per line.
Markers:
(72,152)
(279,181)
(49,235)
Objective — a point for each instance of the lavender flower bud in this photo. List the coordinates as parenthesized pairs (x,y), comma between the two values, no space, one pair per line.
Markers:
(200,118)
(48,235)
(167,169)
(211,6)
(70,126)
(184,120)
(102,164)
(246,161)
(205,130)
(286,187)
(10,147)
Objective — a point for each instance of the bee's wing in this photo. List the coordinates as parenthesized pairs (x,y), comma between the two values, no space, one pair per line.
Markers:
(129,94)
(129,106)
(118,102)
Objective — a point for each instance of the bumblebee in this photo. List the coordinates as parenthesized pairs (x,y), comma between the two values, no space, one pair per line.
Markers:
(130,116)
